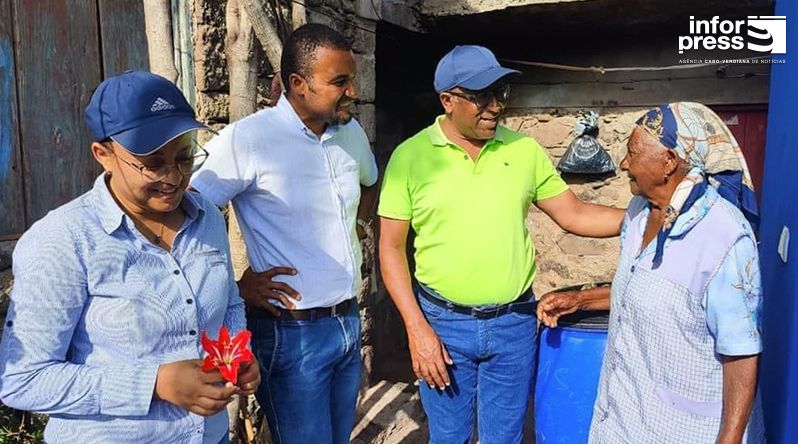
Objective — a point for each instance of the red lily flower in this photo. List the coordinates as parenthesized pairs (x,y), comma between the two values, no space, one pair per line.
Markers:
(227,355)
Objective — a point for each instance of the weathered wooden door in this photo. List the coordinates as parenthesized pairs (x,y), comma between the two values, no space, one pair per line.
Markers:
(749,126)
(53,53)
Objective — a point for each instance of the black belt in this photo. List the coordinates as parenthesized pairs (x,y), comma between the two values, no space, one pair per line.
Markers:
(525,304)
(309,314)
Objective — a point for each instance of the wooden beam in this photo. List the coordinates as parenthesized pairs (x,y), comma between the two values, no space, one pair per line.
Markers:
(184,48)
(58,68)
(12,203)
(710,90)
(123,36)
(264,31)
(241,62)
(158,19)
(298,15)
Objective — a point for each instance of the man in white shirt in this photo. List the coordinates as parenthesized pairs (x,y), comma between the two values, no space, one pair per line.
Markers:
(301,176)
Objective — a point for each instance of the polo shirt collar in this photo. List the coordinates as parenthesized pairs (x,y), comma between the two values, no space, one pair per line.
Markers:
(111,215)
(438,138)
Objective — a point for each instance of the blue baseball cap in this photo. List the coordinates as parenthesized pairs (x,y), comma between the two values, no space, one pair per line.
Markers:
(469,66)
(140,111)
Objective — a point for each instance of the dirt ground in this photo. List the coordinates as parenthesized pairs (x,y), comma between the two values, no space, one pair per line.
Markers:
(391,413)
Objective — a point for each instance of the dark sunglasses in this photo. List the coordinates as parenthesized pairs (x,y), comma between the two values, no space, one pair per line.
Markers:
(483,97)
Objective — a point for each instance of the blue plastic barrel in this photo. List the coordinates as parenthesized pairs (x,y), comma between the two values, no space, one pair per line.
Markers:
(569,364)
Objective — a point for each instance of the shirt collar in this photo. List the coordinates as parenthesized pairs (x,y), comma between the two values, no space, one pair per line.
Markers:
(438,138)
(697,211)
(108,211)
(111,215)
(284,106)
(191,205)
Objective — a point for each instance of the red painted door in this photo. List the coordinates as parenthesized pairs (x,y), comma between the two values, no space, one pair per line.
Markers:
(748,127)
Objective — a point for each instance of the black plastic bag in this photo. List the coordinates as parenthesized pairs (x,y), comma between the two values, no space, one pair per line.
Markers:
(585,155)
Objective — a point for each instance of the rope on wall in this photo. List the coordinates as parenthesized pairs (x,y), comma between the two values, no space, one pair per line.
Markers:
(603,70)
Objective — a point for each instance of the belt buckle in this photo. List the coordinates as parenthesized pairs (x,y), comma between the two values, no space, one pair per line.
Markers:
(485,314)
(288,315)
(480,314)
(490,313)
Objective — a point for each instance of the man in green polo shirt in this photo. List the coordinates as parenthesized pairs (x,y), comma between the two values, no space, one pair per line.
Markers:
(465,184)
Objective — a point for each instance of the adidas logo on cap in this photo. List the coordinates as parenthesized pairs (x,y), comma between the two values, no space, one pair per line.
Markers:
(160,105)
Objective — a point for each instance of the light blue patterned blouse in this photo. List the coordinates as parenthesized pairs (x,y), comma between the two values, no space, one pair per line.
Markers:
(96,308)
(662,375)
(733,297)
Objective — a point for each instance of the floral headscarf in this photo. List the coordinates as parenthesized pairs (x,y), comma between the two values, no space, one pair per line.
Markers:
(700,137)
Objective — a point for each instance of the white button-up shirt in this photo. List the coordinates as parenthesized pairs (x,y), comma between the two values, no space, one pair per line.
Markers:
(296,197)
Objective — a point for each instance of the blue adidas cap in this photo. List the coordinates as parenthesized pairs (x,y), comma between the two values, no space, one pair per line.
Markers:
(140,111)
(468,66)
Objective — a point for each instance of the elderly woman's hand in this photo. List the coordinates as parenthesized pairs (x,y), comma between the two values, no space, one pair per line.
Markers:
(560,303)
(555,304)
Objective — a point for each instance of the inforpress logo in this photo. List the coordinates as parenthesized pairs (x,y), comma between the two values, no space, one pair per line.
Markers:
(766,34)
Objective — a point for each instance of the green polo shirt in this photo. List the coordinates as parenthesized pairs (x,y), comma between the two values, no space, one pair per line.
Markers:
(472,244)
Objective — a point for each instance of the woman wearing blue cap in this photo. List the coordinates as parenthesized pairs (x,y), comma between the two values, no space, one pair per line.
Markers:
(113,288)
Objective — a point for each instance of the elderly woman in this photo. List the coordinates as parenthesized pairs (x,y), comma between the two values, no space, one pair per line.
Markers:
(684,335)
(113,289)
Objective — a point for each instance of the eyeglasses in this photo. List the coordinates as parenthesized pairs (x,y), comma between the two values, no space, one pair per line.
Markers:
(159,170)
(484,97)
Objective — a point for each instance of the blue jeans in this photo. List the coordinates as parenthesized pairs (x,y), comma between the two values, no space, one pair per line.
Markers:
(493,365)
(310,376)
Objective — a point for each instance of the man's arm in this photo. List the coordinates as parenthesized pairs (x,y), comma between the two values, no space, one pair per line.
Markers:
(428,353)
(228,171)
(581,218)
(739,389)
(368,197)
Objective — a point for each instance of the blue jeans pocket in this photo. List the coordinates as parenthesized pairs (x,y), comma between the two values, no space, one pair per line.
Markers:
(265,343)
(431,311)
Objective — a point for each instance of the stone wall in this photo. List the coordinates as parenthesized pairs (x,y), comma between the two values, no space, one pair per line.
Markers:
(565,259)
